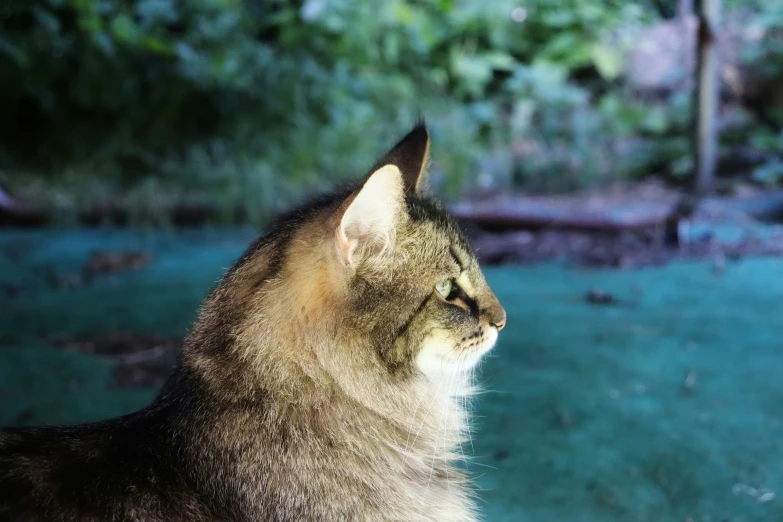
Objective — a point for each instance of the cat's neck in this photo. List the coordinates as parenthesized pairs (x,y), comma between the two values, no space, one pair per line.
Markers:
(335,381)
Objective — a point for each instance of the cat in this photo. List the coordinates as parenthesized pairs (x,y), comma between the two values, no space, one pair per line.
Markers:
(324,380)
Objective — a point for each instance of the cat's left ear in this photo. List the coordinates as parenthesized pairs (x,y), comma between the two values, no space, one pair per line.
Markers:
(411,156)
(369,217)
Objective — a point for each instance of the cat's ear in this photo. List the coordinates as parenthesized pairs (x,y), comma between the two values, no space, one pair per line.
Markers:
(368,218)
(411,156)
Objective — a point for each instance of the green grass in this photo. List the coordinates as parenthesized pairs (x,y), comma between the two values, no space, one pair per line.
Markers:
(589,404)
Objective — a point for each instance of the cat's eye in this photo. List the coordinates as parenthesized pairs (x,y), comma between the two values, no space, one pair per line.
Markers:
(445,288)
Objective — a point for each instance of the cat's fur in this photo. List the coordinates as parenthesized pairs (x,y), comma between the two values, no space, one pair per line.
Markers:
(324,380)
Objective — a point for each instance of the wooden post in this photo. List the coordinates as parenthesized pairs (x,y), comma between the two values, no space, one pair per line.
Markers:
(685,9)
(707,93)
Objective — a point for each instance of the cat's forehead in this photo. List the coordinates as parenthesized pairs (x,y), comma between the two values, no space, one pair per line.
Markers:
(440,224)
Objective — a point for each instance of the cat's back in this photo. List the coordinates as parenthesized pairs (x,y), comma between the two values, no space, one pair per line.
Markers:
(45,473)
(91,472)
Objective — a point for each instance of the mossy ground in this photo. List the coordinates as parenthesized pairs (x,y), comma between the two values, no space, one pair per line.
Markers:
(663,406)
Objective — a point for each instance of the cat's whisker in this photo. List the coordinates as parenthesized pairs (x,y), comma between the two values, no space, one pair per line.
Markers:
(488,466)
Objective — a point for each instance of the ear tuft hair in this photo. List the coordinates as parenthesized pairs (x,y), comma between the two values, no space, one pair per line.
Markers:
(411,156)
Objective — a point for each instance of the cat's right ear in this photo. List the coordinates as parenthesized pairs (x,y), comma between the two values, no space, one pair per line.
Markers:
(368,218)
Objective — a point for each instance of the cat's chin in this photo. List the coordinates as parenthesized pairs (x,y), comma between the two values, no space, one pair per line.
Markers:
(441,358)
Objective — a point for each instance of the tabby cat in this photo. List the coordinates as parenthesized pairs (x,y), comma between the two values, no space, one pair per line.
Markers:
(324,380)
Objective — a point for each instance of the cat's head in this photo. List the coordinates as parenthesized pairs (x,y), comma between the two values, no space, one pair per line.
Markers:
(379,265)
(410,272)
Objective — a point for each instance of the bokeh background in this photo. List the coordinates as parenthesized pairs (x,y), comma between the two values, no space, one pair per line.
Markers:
(243,105)
(144,143)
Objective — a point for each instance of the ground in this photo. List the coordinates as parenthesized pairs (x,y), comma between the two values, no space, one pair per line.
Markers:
(645,395)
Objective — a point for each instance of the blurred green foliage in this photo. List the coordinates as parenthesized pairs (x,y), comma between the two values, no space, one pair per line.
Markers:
(247,103)
(765,57)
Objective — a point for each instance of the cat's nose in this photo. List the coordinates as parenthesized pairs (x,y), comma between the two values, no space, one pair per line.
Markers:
(497,316)
(494,313)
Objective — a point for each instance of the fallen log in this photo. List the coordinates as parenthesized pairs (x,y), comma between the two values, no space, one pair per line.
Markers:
(521,213)
(537,215)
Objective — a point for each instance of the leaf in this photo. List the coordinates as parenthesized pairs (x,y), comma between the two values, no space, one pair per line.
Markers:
(391,47)
(560,18)
(86,6)
(14,52)
(104,42)
(153,10)
(500,60)
(312,10)
(769,173)
(157,46)
(656,121)
(404,13)
(445,5)
(90,23)
(46,20)
(568,49)
(608,61)
(123,28)
(474,72)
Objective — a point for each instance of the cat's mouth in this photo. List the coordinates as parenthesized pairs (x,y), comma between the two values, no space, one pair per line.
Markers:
(477,344)
(442,355)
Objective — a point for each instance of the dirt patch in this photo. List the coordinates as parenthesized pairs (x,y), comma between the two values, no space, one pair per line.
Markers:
(112,262)
(100,264)
(141,360)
